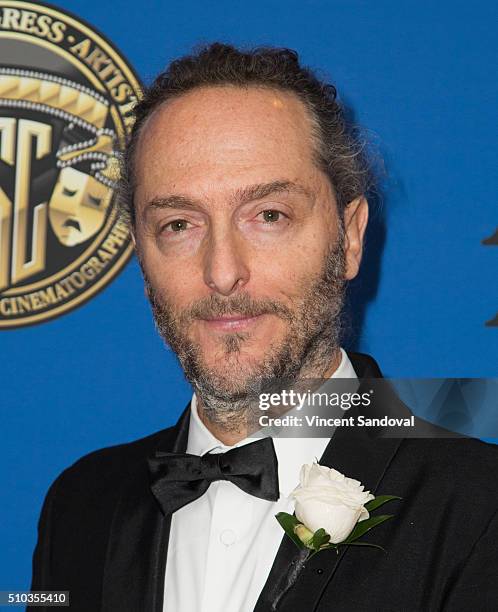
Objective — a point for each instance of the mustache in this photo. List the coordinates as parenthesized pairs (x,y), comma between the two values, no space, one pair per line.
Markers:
(241,304)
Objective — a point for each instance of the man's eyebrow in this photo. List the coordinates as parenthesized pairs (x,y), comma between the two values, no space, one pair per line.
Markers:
(263,190)
(240,196)
(171,201)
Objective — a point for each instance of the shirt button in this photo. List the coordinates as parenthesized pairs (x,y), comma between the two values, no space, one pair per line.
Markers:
(228,537)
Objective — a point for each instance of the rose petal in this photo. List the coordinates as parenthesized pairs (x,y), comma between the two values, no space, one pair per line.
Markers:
(337,521)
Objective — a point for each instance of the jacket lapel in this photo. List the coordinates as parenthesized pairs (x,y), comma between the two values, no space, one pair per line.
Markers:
(138,542)
(357,452)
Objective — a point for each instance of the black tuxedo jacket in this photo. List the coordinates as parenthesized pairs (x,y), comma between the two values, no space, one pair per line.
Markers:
(103,537)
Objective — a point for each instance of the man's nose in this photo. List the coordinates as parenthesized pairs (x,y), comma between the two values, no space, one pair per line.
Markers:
(225,266)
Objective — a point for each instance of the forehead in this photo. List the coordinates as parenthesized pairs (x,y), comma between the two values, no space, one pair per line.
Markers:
(224,135)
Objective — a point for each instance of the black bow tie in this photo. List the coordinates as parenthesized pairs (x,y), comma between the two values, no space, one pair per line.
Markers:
(178,479)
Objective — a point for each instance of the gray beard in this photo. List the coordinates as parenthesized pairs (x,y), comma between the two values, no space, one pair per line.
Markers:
(307,350)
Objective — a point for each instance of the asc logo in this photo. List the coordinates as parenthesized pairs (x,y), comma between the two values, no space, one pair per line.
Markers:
(65,97)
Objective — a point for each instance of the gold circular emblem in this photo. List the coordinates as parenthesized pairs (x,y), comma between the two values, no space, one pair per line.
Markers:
(65,100)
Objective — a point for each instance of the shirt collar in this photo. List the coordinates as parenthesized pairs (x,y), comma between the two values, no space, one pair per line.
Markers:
(291,453)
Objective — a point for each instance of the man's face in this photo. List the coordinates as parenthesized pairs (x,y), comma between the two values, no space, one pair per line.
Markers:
(239,237)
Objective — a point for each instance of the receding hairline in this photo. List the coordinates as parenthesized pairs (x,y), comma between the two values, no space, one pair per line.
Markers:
(310,117)
(336,147)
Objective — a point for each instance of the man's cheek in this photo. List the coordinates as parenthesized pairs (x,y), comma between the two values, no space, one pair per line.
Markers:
(285,274)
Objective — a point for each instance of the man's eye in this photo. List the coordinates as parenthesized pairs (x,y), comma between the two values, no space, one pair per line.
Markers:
(178,225)
(270,216)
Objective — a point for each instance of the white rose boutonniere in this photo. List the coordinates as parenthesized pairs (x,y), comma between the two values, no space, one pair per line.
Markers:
(326,498)
(331,510)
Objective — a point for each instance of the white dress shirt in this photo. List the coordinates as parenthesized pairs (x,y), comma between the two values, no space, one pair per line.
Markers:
(222,545)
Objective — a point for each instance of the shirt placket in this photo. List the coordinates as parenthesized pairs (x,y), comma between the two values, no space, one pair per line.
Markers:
(232,522)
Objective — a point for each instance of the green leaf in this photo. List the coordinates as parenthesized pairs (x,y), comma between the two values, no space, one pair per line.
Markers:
(363,544)
(379,501)
(364,526)
(320,538)
(313,552)
(288,522)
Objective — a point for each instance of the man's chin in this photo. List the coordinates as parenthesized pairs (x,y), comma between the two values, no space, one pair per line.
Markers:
(234,376)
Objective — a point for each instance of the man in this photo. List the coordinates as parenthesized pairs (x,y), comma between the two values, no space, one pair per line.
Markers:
(245,191)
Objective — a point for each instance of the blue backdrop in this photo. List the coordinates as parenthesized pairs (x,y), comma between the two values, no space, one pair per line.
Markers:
(420,76)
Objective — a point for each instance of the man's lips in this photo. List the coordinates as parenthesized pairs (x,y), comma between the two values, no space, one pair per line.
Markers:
(233,322)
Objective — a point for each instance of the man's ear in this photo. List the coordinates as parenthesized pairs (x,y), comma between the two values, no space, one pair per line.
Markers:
(355,224)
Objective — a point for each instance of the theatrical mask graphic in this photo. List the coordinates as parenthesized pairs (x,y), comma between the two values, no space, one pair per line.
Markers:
(65,101)
(78,206)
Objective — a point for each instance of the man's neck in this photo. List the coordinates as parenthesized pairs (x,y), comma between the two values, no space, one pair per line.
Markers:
(231,436)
